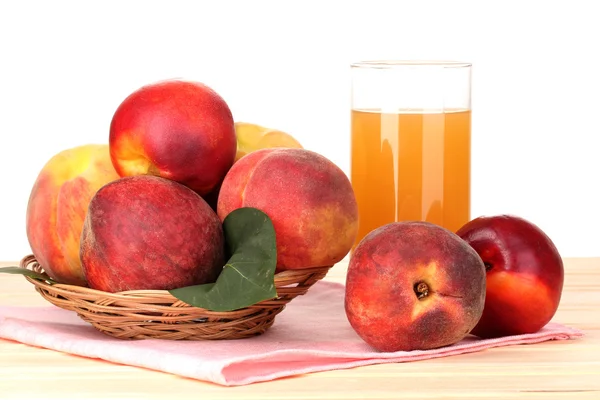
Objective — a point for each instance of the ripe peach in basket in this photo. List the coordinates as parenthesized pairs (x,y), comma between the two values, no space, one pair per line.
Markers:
(175,129)
(58,204)
(252,137)
(146,232)
(414,286)
(309,199)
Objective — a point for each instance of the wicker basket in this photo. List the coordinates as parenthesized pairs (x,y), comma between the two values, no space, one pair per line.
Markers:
(156,314)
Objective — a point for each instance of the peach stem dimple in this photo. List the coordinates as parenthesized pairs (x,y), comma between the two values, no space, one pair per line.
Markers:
(421,289)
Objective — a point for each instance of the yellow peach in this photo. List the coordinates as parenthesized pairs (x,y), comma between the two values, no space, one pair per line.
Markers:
(251,137)
(58,204)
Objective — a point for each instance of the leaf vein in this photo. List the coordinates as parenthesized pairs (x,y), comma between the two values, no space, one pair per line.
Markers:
(246,278)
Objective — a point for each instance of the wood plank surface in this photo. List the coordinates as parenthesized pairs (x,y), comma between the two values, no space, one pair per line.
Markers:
(550,370)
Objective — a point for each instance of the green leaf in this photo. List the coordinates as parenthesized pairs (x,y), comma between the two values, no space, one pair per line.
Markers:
(249,275)
(27,272)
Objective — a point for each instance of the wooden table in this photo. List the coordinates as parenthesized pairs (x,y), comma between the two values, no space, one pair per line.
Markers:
(550,370)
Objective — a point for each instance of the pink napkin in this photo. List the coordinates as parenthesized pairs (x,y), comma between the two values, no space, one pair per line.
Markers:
(311,334)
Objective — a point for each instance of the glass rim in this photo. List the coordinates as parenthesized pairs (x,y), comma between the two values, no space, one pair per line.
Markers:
(391,64)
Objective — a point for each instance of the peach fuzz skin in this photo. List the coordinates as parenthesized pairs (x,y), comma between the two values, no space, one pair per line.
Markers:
(175,129)
(150,233)
(58,204)
(308,198)
(413,286)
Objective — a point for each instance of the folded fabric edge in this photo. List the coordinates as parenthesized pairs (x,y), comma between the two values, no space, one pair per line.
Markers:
(332,360)
(561,332)
(11,329)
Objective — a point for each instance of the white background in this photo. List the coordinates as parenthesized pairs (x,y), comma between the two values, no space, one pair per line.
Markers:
(65,67)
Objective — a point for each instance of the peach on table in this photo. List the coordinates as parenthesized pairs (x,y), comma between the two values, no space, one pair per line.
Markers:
(525,274)
(414,286)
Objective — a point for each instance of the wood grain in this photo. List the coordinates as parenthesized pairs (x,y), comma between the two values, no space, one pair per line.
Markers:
(550,370)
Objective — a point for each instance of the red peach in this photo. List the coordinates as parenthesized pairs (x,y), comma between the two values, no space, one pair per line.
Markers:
(146,232)
(309,199)
(413,286)
(175,129)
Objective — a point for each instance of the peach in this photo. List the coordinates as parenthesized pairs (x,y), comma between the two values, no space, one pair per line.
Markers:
(176,129)
(58,204)
(252,137)
(146,232)
(309,199)
(414,286)
(525,274)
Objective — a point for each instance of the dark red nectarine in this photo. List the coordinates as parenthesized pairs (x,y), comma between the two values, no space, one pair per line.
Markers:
(524,274)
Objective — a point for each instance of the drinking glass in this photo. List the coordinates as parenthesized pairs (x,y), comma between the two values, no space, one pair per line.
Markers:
(411,142)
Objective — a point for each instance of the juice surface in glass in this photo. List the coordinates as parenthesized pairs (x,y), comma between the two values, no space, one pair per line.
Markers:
(411,165)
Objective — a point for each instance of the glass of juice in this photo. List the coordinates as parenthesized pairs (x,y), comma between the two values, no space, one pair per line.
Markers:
(411,142)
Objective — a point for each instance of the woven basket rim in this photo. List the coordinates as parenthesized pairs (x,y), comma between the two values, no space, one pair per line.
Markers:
(156,314)
(29,260)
